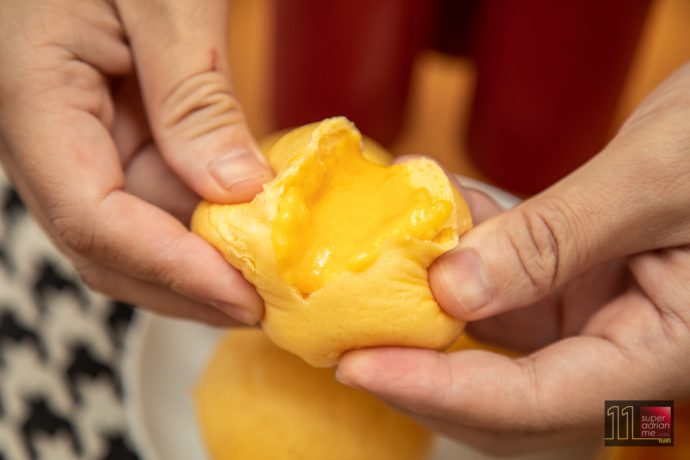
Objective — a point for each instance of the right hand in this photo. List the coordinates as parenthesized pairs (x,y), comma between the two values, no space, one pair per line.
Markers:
(115,117)
(591,277)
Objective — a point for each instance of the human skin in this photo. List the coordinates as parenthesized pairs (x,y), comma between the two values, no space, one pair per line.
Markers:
(591,278)
(115,118)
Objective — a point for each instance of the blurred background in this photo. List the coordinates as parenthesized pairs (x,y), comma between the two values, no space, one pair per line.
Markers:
(517,94)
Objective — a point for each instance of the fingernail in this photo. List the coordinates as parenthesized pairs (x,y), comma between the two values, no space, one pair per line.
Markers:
(237,166)
(237,312)
(354,364)
(464,278)
(341,378)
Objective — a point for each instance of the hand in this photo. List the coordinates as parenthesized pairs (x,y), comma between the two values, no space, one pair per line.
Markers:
(116,116)
(592,277)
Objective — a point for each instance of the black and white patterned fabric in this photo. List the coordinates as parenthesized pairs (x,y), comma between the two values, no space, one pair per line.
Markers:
(61,347)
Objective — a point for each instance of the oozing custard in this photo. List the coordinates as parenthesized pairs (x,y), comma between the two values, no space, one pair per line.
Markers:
(339,211)
(338,245)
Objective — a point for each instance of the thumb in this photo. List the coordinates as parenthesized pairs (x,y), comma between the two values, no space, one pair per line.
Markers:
(512,260)
(180,50)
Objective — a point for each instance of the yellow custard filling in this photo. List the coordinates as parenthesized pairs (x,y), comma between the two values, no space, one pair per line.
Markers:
(336,214)
(338,245)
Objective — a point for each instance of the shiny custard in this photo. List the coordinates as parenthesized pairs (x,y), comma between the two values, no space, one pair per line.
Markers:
(341,209)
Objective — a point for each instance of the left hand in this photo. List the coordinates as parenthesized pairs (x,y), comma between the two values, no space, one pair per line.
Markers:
(115,118)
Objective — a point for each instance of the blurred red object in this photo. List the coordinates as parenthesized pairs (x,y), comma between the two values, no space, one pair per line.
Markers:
(549,76)
(549,72)
(347,57)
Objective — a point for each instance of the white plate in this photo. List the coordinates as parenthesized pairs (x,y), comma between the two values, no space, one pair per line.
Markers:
(163,360)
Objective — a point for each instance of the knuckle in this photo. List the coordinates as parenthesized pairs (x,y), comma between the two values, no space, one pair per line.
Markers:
(161,275)
(163,271)
(74,230)
(444,386)
(199,104)
(537,236)
(538,423)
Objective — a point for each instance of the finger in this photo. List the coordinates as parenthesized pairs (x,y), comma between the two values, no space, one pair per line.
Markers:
(135,237)
(151,297)
(563,313)
(77,183)
(481,205)
(499,445)
(632,197)
(106,46)
(462,387)
(180,50)
(559,388)
(88,31)
(130,129)
(523,330)
(148,177)
(57,140)
(663,276)
(517,258)
(131,290)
